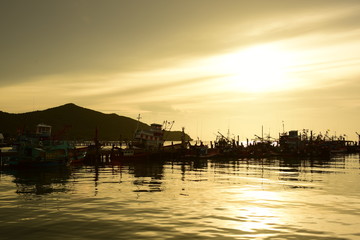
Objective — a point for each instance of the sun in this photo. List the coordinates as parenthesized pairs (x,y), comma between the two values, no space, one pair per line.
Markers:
(260,68)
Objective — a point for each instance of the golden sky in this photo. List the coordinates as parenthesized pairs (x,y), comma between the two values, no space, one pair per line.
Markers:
(208,65)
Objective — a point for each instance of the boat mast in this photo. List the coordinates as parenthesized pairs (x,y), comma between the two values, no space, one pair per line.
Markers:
(167,126)
(137,125)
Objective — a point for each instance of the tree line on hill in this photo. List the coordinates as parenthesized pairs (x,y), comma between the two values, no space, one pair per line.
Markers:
(72,122)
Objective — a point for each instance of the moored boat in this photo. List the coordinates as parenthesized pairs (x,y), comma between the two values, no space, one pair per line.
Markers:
(40,149)
(295,144)
(147,143)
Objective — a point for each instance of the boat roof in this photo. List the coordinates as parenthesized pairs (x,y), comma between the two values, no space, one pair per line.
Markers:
(43,125)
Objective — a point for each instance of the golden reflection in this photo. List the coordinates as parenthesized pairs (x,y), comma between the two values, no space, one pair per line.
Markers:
(257,219)
(259,214)
(262,195)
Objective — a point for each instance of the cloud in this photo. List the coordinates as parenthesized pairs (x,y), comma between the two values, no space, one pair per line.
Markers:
(148,56)
(44,38)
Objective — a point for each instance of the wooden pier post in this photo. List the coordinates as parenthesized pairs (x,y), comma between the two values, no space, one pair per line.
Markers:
(1,161)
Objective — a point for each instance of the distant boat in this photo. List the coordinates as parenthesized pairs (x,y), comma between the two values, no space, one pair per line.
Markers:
(150,139)
(295,144)
(200,151)
(40,149)
(146,143)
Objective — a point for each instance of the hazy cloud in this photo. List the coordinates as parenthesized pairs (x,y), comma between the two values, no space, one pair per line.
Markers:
(148,55)
(42,37)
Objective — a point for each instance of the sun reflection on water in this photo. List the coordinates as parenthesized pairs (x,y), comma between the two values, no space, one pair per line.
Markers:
(256,214)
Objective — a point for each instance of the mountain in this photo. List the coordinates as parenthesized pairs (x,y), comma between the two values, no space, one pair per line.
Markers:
(70,122)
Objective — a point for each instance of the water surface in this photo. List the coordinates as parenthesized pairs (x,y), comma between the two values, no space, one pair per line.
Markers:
(207,199)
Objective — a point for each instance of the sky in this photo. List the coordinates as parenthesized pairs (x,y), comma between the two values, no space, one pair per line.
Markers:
(241,68)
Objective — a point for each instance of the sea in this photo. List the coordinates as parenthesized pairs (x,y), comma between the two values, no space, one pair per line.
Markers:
(184,199)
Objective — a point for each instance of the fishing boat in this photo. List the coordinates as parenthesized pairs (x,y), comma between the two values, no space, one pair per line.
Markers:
(296,144)
(200,151)
(40,149)
(147,143)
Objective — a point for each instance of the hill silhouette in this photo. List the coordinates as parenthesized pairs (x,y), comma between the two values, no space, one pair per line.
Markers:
(73,122)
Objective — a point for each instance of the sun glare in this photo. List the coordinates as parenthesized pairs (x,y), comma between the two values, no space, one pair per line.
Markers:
(257,69)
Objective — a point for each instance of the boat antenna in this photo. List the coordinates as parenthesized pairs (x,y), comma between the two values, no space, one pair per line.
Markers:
(137,125)
(166,127)
(138,121)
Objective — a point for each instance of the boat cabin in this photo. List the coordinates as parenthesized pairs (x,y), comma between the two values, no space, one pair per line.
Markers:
(151,138)
(43,130)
